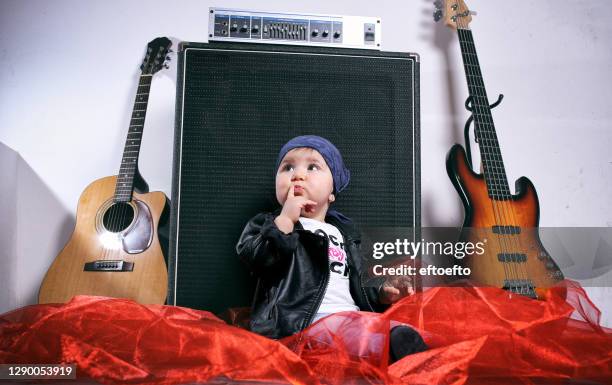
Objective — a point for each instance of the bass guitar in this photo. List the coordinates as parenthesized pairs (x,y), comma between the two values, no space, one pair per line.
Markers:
(118,244)
(514,257)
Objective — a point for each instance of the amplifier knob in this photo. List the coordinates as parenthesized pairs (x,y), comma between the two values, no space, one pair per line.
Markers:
(315,32)
(325,33)
(255,29)
(244,28)
(336,34)
(234,27)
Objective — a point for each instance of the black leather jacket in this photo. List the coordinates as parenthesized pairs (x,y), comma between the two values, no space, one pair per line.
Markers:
(293,272)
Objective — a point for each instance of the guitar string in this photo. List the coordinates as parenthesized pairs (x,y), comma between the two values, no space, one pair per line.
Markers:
(492,173)
(117,217)
(119,213)
(475,110)
(132,164)
(507,209)
(461,27)
(503,209)
(123,170)
(479,102)
(116,208)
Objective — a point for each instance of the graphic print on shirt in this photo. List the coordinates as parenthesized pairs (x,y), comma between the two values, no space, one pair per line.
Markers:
(337,294)
(336,253)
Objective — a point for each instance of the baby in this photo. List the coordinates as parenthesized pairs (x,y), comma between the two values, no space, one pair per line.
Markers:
(306,255)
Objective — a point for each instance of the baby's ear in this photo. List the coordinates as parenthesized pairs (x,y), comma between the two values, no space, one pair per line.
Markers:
(332,198)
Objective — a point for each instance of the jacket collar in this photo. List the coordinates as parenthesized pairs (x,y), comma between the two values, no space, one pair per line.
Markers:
(348,230)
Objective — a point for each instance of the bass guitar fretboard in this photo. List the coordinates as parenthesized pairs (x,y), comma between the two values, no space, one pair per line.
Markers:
(490,153)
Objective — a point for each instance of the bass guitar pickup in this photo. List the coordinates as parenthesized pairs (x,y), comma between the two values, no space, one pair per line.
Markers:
(508,230)
(109,265)
(512,257)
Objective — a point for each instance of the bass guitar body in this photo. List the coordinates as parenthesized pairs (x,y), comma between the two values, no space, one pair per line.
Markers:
(514,257)
(114,250)
(510,254)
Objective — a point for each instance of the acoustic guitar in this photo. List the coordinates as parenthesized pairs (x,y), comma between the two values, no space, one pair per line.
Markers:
(514,257)
(120,238)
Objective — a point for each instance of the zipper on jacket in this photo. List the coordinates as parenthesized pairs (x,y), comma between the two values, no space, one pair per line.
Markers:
(348,240)
(364,293)
(326,282)
(365,296)
(308,318)
(319,300)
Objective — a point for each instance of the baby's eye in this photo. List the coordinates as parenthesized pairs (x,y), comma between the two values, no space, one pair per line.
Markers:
(287,167)
(313,167)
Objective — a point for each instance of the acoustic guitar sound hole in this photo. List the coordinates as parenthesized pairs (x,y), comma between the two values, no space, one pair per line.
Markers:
(118,217)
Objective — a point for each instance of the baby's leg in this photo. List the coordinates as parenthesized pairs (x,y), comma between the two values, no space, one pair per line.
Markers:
(345,331)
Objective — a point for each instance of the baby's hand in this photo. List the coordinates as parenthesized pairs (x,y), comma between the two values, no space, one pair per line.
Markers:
(292,209)
(396,288)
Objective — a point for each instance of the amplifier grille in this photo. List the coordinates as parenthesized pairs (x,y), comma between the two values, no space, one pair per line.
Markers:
(237,106)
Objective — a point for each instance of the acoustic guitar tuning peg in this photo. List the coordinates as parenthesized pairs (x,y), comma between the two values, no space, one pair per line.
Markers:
(438,4)
(168,58)
(166,66)
(437,15)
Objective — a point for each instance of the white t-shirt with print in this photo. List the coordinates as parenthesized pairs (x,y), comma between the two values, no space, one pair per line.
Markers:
(338,295)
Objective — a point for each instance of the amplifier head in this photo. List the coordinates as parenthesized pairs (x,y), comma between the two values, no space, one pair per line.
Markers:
(233,25)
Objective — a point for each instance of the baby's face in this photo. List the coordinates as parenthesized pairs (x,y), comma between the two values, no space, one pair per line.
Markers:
(307,170)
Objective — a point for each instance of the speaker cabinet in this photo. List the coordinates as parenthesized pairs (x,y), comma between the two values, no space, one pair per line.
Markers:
(237,104)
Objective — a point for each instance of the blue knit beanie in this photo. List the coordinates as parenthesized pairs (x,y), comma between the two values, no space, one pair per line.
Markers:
(328,151)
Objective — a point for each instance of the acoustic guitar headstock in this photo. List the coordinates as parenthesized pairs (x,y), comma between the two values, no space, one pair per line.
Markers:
(455,13)
(156,58)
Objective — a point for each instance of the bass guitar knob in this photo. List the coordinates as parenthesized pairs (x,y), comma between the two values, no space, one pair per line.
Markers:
(542,256)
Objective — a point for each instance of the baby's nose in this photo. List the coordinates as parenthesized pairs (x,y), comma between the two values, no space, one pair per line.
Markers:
(298,175)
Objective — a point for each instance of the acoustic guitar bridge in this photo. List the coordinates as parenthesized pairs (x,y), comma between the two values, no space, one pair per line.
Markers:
(110,265)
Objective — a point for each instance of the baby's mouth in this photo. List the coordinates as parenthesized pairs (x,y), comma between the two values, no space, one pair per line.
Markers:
(298,190)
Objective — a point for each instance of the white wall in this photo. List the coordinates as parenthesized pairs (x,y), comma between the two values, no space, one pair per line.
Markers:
(68,71)
(8,235)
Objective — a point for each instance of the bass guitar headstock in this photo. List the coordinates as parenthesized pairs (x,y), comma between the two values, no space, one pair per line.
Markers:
(455,13)
(156,57)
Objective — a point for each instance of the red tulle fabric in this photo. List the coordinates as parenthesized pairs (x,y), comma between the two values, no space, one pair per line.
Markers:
(476,336)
